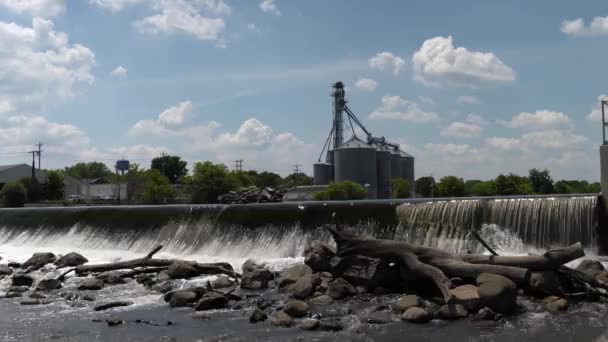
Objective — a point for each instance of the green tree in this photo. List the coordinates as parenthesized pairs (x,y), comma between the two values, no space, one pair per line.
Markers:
(88,170)
(208,181)
(513,184)
(468,186)
(14,195)
(594,188)
(450,186)
(34,189)
(400,188)
(342,191)
(541,181)
(298,179)
(172,167)
(53,187)
(487,188)
(157,189)
(267,179)
(425,186)
(135,178)
(242,178)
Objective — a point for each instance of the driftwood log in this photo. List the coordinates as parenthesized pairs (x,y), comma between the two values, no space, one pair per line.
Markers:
(439,266)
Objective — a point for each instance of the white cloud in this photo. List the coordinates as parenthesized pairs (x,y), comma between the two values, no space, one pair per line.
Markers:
(437,62)
(162,126)
(461,130)
(366,84)
(253,27)
(450,149)
(119,72)
(505,144)
(36,8)
(39,65)
(251,134)
(394,107)
(476,119)
(188,17)
(596,113)
(466,99)
(115,5)
(427,100)
(552,139)
(577,28)
(269,6)
(386,60)
(540,119)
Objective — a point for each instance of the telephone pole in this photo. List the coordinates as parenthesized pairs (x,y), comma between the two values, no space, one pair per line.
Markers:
(296,171)
(39,152)
(238,165)
(33,178)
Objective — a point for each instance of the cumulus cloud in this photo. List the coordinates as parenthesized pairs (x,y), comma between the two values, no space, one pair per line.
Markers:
(166,121)
(540,119)
(386,60)
(397,108)
(577,28)
(466,99)
(596,113)
(37,8)
(251,134)
(366,84)
(119,72)
(115,5)
(476,119)
(461,130)
(269,6)
(438,62)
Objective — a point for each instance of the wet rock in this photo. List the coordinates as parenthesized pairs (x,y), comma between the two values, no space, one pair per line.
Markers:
(296,308)
(358,270)
(293,274)
(497,293)
(339,311)
(326,276)
(467,296)
(163,276)
(361,290)
(115,322)
(331,324)
(318,257)
(183,298)
(37,295)
(38,260)
(30,302)
(416,315)
(407,302)
(18,289)
(257,316)
(211,301)
(13,295)
(147,280)
(203,316)
(309,324)
(340,288)
(555,304)
(13,264)
(602,278)
(182,270)
(281,319)
(71,260)
(452,312)
(222,282)
(163,287)
(91,284)
(591,267)
(305,286)
(377,317)
(457,281)
(88,297)
(5,270)
(485,314)
(48,285)
(22,280)
(198,290)
(321,300)
(111,305)
(111,278)
(255,276)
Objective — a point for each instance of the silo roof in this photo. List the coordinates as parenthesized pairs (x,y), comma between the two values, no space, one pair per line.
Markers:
(355,143)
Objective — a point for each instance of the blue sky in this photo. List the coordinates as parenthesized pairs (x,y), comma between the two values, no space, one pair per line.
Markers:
(470,88)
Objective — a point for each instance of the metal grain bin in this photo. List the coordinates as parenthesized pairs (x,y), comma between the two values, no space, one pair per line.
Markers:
(323,173)
(355,160)
(395,164)
(407,169)
(383,172)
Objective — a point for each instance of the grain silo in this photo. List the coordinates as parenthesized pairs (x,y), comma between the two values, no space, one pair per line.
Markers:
(383,172)
(323,173)
(396,164)
(355,161)
(407,169)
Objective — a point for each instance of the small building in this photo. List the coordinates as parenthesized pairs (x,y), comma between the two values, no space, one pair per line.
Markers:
(15,172)
(99,189)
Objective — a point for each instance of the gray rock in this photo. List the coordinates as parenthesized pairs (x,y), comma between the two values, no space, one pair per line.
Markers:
(162,287)
(22,280)
(416,315)
(591,267)
(339,311)
(377,317)
(182,270)
(318,257)
(30,302)
(18,289)
(257,316)
(13,295)
(91,284)
(111,305)
(48,284)
(602,278)
(255,276)
(281,319)
(407,302)
(309,324)
(111,278)
(38,260)
(485,314)
(37,295)
(331,324)
(293,274)
(5,270)
(222,282)
(183,298)
(13,264)
(340,288)
(497,293)
(203,316)
(321,300)
(296,308)
(305,286)
(198,290)
(452,312)
(163,276)
(71,260)
(211,301)
(361,289)
(467,296)
(555,304)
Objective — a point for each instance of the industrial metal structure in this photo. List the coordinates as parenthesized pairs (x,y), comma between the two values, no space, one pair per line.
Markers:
(373,162)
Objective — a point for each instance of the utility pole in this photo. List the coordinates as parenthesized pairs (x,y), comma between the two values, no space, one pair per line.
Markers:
(33,178)
(296,173)
(39,145)
(238,165)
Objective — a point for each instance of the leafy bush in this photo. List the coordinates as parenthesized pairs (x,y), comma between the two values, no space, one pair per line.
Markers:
(14,195)
(157,189)
(208,181)
(400,188)
(341,191)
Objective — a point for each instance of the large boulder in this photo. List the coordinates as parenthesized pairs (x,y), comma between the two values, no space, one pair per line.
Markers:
(222,281)
(255,276)
(5,270)
(304,287)
(91,284)
(406,302)
(591,267)
(112,278)
(48,284)
(296,308)
(183,298)
(416,315)
(111,305)
(281,319)
(38,260)
(497,293)
(182,270)
(22,280)
(211,301)
(452,312)
(198,290)
(321,300)
(318,257)
(340,288)
(467,296)
(293,273)
(555,304)
(602,278)
(309,324)
(71,260)
(257,316)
